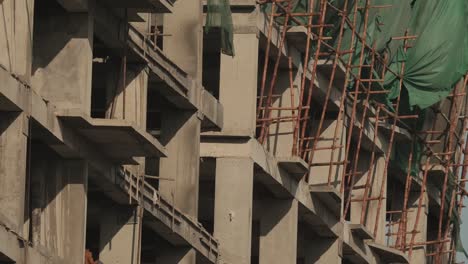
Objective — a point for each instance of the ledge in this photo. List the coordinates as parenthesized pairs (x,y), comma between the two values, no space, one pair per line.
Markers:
(118,139)
(297,36)
(294,166)
(329,195)
(390,255)
(360,231)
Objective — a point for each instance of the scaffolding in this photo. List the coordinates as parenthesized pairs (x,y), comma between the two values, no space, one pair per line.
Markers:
(338,46)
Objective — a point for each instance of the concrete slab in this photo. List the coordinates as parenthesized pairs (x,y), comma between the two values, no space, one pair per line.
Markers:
(360,231)
(118,139)
(390,255)
(325,66)
(329,195)
(295,166)
(297,36)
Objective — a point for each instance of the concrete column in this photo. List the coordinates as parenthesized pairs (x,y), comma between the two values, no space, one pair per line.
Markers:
(13,146)
(16,32)
(233,208)
(278,231)
(59,202)
(63,53)
(281,134)
(377,180)
(185,45)
(238,86)
(119,236)
(180,131)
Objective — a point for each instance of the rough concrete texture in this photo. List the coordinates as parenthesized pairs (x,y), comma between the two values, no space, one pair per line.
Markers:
(82,170)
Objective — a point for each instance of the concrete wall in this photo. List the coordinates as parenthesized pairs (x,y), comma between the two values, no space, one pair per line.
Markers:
(62,63)
(13,145)
(330,174)
(280,139)
(16,36)
(119,235)
(59,201)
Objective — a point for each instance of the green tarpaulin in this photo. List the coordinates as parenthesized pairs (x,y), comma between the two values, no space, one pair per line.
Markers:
(218,15)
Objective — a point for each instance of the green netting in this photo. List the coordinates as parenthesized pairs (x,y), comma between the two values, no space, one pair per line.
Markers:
(218,15)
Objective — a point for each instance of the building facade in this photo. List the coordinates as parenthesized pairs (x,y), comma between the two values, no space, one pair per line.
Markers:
(132,133)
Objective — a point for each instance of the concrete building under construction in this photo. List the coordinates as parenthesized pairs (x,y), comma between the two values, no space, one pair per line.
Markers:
(232,132)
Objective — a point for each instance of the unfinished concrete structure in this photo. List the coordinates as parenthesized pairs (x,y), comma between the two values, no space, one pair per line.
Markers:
(127,136)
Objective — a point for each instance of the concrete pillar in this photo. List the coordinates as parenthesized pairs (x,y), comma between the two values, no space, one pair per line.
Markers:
(59,202)
(119,237)
(62,64)
(238,86)
(13,146)
(281,134)
(377,180)
(278,231)
(185,44)
(16,32)
(233,208)
(180,130)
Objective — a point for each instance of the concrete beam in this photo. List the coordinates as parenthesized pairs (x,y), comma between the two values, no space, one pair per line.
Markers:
(213,112)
